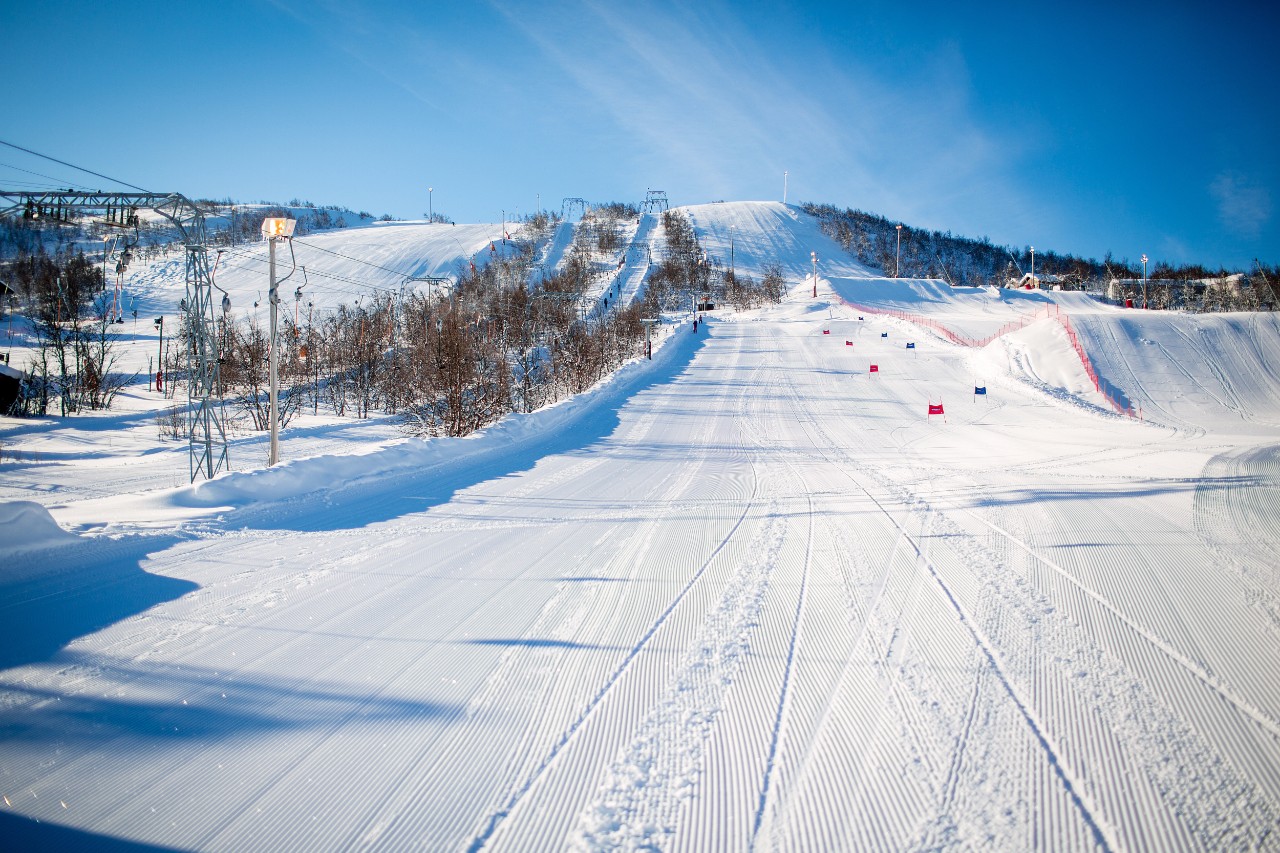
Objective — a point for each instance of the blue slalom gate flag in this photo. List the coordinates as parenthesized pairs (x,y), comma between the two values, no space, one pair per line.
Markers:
(911,346)
(884,334)
(979,389)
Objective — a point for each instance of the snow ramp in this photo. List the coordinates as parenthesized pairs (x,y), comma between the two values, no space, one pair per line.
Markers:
(1217,373)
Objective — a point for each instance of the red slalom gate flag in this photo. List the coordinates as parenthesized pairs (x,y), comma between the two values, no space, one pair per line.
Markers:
(848,343)
(875,368)
(826,331)
(936,409)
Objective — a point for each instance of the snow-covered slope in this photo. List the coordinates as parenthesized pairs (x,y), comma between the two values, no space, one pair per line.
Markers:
(760,233)
(750,594)
(340,266)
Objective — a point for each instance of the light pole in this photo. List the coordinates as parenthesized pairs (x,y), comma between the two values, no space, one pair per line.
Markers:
(115,301)
(784,186)
(814,257)
(1033,263)
(1144,281)
(160,354)
(431,211)
(897,254)
(275,229)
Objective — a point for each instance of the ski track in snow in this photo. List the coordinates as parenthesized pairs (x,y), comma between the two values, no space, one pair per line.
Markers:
(773,606)
(637,805)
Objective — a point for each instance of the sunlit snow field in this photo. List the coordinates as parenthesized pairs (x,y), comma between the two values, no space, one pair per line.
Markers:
(748,594)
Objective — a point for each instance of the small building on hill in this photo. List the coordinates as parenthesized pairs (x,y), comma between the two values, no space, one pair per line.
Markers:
(1027,282)
(10,387)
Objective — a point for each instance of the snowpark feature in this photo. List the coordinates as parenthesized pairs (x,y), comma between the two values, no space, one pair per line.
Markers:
(744,595)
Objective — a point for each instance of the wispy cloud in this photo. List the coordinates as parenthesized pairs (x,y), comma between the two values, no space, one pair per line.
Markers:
(1243,205)
(704,101)
(718,109)
(376,41)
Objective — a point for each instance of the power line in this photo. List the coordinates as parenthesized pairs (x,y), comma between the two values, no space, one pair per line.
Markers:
(42,175)
(321,273)
(348,257)
(77,168)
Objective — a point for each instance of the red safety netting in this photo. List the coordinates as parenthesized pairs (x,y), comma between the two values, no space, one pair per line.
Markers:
(1053,311)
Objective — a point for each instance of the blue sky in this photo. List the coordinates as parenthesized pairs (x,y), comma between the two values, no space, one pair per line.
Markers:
(1091,128)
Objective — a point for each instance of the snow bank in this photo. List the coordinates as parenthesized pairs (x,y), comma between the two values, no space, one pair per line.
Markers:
(970,312)
(27,526)
(1197,372)
(298,478)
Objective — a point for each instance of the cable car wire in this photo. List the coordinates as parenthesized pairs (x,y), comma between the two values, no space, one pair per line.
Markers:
(349,258)
(77,168)
(59,181)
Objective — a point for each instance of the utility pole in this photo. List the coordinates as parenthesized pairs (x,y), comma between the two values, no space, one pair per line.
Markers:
(275,229)
(1144,281)
(1033,263)
(814,257)
(784,186)
(897,254)
(273,421)
(115,303)
(160,356)
(649,323)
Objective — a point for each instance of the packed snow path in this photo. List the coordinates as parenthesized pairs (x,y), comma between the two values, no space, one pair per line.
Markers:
(765,604)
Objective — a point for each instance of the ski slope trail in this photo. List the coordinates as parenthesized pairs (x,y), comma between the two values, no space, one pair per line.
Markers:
(557,249)
(629,283)
(760,233)
(762,602)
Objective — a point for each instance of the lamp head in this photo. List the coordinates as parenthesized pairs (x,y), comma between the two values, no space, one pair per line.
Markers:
(278,226)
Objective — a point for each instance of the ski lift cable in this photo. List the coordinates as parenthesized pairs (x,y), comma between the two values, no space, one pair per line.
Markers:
(321,273)
(40,186)
(292,257)
(58,181)
(312,271)
(259,259)
(315,287)
(77,168)
(348,257)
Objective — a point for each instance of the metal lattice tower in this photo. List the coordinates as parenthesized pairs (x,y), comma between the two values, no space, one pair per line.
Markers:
(655,201)
(206,423)
(568,205)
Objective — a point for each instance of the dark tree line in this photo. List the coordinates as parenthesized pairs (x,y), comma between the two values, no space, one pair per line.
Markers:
(873,240)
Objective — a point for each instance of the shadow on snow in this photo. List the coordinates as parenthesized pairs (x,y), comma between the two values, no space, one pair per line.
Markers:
(97,584)
(394,495)
(190,703)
